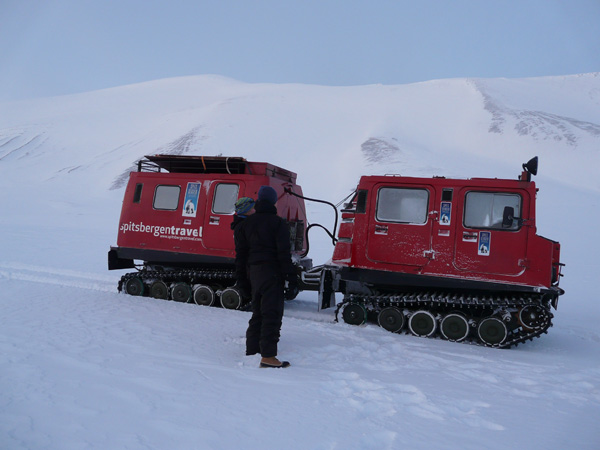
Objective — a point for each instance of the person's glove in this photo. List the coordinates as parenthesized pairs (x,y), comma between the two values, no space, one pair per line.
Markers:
(292,286)
(244,288)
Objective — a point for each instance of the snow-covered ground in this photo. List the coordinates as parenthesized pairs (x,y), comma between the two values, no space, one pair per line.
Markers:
(82,366)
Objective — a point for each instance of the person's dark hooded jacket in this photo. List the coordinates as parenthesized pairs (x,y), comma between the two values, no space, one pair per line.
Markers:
(262,238)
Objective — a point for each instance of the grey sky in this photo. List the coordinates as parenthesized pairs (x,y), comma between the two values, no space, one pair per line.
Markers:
(55,47)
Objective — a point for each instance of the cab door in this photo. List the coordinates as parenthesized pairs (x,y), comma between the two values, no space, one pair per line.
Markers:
(399,229)
(220,206)
(483,244)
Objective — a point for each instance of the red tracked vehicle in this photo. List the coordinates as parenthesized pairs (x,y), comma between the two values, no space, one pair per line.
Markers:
(457,259)
(176,219)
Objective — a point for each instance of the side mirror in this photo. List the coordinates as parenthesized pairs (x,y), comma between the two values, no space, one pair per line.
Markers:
(508,217)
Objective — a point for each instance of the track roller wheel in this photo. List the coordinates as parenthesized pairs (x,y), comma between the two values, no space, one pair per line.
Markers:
(231,299)
(492,331)
(454,327)
(391,319)
(422,323)
(354,314)
(181,292)
(135,286)
(533,317)
(159,289)
(204,295)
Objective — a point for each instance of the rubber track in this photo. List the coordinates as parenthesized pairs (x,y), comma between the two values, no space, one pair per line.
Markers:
(467,304)
(190,276)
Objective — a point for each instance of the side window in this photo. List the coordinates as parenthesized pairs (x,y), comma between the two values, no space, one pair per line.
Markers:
(358,204)
(166,197)
(485,209)
(225,198)
(137,195)
(402,205)
(361,202)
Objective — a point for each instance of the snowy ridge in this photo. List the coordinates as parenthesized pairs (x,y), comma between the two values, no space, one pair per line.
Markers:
(82,366)
(538,124)
(497,119)
(19,143)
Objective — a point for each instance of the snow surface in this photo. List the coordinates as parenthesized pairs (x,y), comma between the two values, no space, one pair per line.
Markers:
(82,366)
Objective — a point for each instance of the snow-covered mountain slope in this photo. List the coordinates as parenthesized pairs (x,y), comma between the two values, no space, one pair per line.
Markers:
(331,133)
(83,366)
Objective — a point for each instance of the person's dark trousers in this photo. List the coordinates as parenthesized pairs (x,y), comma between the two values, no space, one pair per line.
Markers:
(264,326)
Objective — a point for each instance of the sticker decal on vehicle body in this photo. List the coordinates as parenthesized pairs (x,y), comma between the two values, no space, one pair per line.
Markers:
(446,213)
(484,245)
(190,202)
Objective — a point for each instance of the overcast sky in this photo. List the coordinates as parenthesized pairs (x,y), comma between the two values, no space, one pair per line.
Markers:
(56,47)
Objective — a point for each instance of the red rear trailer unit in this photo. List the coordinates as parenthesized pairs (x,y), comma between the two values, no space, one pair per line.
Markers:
(176,218)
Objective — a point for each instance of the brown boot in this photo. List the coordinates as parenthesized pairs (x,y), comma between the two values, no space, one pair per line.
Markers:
(273,362)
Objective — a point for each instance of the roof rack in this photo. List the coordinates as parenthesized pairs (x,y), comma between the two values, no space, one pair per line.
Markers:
(192,164)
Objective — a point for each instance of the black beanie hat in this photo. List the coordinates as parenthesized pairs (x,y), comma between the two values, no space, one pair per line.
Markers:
(268,194)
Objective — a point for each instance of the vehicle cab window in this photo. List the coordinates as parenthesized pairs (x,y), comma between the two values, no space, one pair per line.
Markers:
(402,205)
(224,198)
(486,209)
(166,197)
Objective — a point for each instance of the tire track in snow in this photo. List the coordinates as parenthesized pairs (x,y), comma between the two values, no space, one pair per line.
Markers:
(298,309)
(58,277)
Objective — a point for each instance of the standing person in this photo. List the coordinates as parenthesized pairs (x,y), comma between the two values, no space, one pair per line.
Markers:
(243,207)
(263,258)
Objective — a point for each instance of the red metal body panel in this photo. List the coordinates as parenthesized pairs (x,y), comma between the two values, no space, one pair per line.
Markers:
(439,241)
(196,222)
